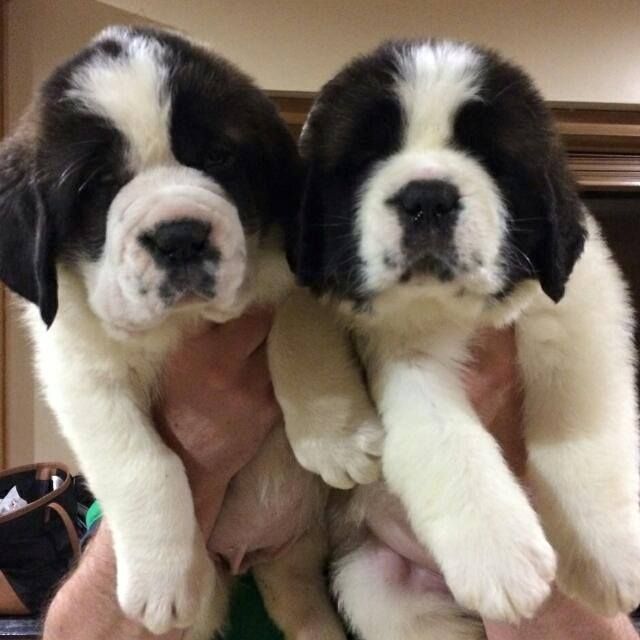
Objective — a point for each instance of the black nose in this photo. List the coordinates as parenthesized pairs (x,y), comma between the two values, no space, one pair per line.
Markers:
(424,201)
(179,242)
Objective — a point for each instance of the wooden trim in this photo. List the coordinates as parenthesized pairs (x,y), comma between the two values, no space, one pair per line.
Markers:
(606,171)
(599,130)
(602,142)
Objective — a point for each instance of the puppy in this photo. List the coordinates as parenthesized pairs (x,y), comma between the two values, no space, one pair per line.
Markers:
(142,196)
(438,201)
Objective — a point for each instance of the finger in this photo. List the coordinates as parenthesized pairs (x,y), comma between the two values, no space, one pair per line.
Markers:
(254,372)
(238,338)
(270,415)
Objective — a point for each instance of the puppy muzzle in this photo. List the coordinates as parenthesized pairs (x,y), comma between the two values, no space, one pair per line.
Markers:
(173,239)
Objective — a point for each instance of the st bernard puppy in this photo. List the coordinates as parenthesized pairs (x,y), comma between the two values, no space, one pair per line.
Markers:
(438,201)
(141,197)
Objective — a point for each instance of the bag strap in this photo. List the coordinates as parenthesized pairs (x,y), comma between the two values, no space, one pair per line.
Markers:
(38,468)
(74,541)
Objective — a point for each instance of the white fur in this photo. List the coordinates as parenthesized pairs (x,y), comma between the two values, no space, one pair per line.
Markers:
(581,417)
(124,284)
(463,503)
(581,421)
(100,391)
(338,435)
(101,388)
(478,235)
(379,610)
(115,89)
(100,362)
(434,80)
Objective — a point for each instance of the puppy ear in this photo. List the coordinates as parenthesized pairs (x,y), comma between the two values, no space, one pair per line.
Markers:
(306,242)
(285,176)
(565,231)
(27,263)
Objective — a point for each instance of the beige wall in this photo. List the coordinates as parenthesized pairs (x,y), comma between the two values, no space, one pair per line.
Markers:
(578,50)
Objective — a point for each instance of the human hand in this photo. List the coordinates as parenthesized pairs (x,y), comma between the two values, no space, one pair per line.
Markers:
(215,410)
(495,390)
(217,405)
(493,384)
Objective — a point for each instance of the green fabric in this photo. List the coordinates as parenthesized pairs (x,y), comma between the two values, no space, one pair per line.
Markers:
(94,513)
(248,619)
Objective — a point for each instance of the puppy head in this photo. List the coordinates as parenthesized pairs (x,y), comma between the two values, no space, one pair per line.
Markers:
(434,164)
(149,167)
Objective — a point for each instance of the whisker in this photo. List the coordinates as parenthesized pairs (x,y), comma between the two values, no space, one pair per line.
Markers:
(69,169)
(89,178)
(518,253)
(532,219)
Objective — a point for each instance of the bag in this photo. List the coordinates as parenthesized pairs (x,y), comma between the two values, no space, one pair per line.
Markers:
(38,542)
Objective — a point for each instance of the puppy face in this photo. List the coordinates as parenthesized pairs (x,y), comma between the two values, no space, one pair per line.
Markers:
(150,167)
(434,165)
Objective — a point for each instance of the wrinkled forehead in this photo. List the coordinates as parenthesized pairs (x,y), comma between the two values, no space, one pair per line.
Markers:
(434,80)
(141,87)
(124,80)
(402,95)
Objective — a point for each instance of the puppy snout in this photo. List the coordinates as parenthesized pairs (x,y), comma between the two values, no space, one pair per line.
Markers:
(180,242)
(426,202)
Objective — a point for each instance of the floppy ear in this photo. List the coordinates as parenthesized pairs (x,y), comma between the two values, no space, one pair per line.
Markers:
(565,231)
(284,176)
(306,238)
(27,263)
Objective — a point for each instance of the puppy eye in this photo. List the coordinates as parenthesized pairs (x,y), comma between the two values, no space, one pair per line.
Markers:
(106,180)
(362,160)
(98,180)
(219,158)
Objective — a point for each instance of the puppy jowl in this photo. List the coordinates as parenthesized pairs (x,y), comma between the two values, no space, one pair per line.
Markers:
(438,202)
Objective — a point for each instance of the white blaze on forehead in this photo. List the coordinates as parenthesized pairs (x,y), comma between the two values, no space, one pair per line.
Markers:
(435,79)
(131,92)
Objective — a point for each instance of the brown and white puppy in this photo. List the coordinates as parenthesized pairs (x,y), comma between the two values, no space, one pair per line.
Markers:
(142,196)
(438,201)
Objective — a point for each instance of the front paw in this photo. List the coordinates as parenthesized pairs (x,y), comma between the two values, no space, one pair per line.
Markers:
(504,572)
(165,586)
(603,575)
(344,459)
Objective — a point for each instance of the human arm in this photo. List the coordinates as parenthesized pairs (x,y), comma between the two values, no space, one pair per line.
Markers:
(494,387)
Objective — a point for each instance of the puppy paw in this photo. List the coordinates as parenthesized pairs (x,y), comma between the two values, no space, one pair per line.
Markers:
(505,572)
(344,459)
(604,576)
(167,590)
(213,612)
